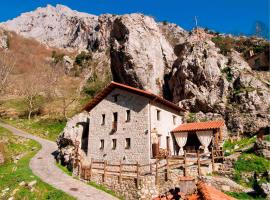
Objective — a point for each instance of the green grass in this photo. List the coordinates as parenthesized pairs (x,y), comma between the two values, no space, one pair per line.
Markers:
(12,174)
(243,196)
(229,145)
(64,169)
(45,128)
(250,163)
(17,104)
(267,138)
(91,183)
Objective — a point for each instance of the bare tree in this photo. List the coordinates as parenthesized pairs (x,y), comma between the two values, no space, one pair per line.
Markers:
(31,88)
(7,64)
(68,95)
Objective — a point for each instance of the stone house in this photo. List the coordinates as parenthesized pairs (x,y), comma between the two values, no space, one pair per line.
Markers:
(129,125)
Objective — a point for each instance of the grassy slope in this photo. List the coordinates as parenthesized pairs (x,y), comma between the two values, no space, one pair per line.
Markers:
(45,128)
(11,174)
(248,162)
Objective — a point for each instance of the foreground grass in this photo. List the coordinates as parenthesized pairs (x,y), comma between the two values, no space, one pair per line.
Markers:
(91,183)
(45,128)
(243,196)
(13,173)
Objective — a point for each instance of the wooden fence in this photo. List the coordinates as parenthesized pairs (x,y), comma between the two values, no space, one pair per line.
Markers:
(158,168)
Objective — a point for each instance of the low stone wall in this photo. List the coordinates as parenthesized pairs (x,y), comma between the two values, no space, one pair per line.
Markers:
(148,187)
(127,188)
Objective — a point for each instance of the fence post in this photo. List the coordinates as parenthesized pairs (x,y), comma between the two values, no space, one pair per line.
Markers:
(185,163)
(167,169)
(90,171)
(120,172)
(156,172)
(105,168)
(213,159)
(199,163)
(138,174)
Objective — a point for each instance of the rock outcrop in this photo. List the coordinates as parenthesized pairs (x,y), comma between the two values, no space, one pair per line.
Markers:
(71,139)
(3,40)
(140,54)
(57,26)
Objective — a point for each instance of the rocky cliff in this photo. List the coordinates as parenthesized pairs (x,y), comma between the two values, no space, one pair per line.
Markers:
(187,68)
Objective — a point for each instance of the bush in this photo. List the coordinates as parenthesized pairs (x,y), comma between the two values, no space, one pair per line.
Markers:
(251,163)
(228,72)
(83,58)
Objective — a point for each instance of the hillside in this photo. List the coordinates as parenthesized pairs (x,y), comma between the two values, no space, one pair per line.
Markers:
(206,73)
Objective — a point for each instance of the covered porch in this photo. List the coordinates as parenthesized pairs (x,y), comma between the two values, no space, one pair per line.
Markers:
(197,137)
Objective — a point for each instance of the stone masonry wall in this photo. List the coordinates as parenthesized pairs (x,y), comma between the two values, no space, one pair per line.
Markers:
(137,129)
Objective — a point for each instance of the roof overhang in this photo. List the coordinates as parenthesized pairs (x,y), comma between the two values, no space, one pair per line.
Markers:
(199,126)
(113,85)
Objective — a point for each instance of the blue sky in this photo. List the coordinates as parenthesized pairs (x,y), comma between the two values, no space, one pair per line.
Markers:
(227,16)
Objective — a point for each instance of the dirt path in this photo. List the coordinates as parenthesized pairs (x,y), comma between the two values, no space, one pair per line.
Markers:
(43,165)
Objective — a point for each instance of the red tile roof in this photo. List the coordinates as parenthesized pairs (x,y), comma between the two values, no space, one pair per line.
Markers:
(208,192)
(100,96)
(198,126)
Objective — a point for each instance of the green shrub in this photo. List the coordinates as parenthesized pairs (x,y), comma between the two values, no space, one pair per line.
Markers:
(83,58)
(228,72)
(251,163)
(191,117)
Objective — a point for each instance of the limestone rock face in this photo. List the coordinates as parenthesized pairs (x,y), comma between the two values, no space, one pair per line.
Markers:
(204,80)
(140,54)
(197,82)
(57,26)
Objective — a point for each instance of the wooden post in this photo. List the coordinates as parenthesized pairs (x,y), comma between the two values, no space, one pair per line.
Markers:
(156,172)
(199,163)
(151,169)
(213,159)
(90,171)
(167,169)
(105,169)
(120,172)
(138,174)
(185,163)
(220,135)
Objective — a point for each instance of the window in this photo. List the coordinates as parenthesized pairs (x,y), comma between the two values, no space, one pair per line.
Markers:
(115,97)
(103,119)
(101,144)
(127,144)
(113,143)
(128,116)
(158,115)
(115,116)
(174,119)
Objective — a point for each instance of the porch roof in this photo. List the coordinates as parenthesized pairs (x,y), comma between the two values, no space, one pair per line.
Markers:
(199,126)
